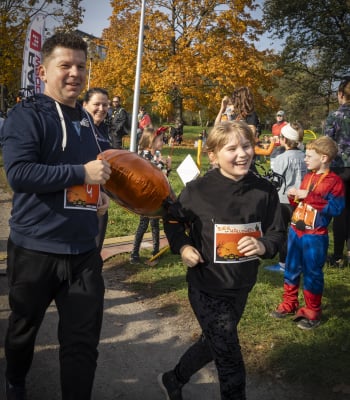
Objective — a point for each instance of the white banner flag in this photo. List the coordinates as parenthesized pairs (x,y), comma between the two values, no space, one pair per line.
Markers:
(32,58)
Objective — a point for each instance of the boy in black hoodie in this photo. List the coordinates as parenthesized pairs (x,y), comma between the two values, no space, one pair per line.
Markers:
(234,217)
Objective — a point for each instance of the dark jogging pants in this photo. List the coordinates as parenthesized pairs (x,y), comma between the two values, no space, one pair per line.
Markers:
(218,318)
(76,285)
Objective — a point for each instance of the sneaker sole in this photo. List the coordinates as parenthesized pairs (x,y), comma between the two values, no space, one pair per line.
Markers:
(160,382)
(308,328)
(277,315)
(274,268)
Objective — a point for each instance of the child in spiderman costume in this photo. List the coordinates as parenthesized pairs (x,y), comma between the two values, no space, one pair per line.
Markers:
(320,197)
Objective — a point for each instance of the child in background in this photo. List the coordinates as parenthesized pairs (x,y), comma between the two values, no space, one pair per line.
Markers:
(320,197)
(291,165)
(234,218)
(150,146)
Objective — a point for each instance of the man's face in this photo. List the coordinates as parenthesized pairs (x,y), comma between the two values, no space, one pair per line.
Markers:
(64,75)
(279,117)
(116,102)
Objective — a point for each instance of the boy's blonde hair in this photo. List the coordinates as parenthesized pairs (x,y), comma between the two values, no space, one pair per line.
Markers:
(324,145)
(220,135)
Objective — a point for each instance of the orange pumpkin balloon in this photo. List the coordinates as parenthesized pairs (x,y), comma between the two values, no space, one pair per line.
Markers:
(136,184)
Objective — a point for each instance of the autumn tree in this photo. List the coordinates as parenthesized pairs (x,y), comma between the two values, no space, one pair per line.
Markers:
(316,51)
(195,52)
(14,20)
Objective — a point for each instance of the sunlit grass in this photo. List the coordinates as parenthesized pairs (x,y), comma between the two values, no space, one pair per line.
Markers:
(318,360)
(278,349)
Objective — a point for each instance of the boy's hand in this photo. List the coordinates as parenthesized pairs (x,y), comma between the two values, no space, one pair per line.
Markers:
(190,256)
(250,246)
(292,191)
(301,193)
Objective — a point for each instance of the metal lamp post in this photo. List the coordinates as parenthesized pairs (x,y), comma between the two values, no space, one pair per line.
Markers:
(134,124)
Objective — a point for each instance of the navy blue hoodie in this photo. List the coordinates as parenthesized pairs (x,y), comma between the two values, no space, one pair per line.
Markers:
(40,162)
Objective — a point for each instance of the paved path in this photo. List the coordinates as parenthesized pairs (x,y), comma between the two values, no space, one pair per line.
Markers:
(114,246)
(139,339)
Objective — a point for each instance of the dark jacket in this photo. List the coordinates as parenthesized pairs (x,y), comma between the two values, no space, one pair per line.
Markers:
(118,122)
(40,162)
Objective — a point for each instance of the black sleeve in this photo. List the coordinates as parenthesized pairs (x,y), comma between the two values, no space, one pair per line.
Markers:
(252,119)
(175,224)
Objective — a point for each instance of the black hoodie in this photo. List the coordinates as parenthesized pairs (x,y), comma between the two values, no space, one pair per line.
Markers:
(215,199)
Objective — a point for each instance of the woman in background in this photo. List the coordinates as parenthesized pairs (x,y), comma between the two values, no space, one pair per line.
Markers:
(95,102)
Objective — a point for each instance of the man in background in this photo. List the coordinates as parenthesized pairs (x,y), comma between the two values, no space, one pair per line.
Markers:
(276,133)
(118,123)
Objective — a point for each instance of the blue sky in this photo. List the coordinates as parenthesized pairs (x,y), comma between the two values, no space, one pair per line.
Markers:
(97,14)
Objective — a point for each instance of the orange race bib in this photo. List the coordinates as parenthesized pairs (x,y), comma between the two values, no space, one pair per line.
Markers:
(304,217)
(82,197)
(226,240)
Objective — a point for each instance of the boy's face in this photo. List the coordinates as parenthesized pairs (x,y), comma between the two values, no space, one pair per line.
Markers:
(234,158)
(313,160)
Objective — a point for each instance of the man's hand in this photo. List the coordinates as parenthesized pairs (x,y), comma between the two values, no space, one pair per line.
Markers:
(103,204)
(97,172)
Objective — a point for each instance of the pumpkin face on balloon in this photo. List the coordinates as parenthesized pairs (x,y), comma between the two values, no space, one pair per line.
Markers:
(136,184)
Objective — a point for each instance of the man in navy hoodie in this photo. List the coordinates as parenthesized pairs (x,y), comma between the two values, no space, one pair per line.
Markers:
(49,153)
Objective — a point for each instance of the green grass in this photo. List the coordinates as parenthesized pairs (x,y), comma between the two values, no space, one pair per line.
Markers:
(322,355)
(122,222)
(319,359)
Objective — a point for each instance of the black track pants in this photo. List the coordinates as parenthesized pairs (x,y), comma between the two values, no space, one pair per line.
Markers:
(218,318)
(75,283)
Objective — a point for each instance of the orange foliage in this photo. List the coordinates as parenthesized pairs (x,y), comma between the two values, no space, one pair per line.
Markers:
(203,49)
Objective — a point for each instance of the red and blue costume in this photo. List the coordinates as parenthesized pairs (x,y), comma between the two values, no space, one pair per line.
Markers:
(308,243)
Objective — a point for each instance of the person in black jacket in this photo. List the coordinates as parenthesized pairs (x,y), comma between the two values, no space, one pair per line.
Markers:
(49,152)
(118,121)
(234,218)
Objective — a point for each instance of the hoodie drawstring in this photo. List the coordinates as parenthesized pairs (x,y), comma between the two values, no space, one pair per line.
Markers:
(63,125)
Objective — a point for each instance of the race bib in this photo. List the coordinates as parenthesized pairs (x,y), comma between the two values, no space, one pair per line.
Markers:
(304,217)
(82,197)
(226,238)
